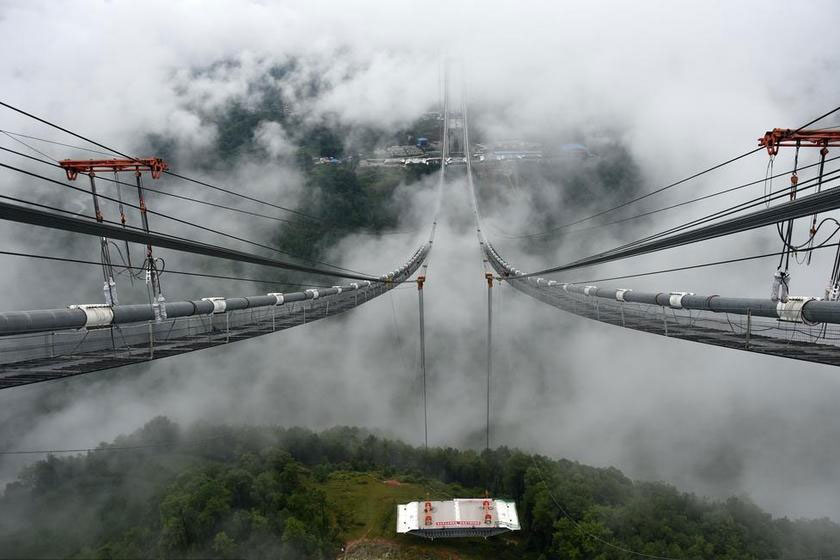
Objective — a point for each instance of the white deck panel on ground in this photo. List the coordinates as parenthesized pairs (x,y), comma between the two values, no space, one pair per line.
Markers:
(461,517)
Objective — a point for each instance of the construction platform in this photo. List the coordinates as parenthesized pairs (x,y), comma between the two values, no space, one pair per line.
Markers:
(461,517)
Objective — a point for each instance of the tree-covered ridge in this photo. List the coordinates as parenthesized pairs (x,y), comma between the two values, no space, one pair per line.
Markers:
(342,197)
(267,492)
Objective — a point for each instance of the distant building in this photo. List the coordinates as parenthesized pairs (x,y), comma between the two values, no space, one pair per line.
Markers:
(461,517)
(422,142)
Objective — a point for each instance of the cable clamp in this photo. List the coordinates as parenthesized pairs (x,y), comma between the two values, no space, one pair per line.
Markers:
(281,299)
(619,294)
(96,314)
(312,293)
(219,303)
(675,299)
(590,290)
(338,289)
(791,310)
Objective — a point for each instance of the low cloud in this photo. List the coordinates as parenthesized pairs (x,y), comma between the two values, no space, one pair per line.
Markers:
(678,87)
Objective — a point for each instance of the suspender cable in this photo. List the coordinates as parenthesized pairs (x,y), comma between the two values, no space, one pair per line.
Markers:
(781,278)
(123,222)
(420,280)
(489,277)
(267,281)
(813,230)
(794,180)
(109,286)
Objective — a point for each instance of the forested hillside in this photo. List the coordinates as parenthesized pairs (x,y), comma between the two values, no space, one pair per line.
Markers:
(270,492)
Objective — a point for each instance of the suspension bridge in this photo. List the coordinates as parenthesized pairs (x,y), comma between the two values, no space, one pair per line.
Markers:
(43,345)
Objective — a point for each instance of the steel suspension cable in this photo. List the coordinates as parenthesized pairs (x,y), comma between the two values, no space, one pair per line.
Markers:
(113,447)
(207,203)
(139,231)
(638,198)
(174,219)
(671,185)
(20,214)
(488,273)
(676,205)
(27,136)
(19,141)
(166,271)
(172,173)
(814,203)
(729,211)
(809,250)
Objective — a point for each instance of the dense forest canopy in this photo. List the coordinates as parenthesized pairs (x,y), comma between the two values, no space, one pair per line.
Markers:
(268,492)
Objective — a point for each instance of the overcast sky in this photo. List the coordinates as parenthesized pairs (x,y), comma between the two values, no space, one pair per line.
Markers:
(681,85)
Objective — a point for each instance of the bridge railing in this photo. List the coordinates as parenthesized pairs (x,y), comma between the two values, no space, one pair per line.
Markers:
(779,329)
(55,353)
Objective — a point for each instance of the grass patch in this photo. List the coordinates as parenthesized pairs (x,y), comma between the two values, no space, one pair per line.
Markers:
(364,507)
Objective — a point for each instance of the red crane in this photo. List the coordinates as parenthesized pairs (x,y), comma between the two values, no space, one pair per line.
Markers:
(155,166)
(75,166)
(778,137)
(823,139)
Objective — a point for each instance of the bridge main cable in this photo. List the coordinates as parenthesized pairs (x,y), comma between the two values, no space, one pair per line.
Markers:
(806,206)
(51,220)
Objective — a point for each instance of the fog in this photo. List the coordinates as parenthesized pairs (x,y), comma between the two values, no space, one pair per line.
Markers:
(680,86)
